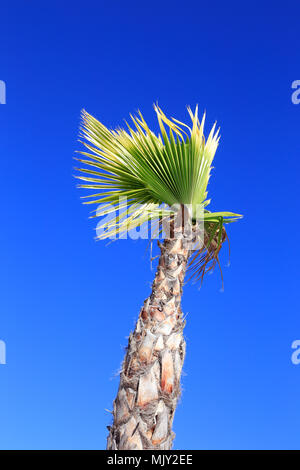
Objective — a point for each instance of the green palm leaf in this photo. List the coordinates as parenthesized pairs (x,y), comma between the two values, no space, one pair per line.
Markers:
(144,176)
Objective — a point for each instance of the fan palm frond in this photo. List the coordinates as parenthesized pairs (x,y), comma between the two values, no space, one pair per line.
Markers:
(145,176)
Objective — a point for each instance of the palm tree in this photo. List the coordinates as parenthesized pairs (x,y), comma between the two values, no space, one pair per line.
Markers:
(160,179)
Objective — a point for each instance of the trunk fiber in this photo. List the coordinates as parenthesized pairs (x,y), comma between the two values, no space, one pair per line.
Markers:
(149,390)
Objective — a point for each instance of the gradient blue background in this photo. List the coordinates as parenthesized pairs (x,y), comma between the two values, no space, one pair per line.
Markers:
(67,302)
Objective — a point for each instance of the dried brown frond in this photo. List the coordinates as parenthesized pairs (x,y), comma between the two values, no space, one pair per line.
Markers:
(204,259)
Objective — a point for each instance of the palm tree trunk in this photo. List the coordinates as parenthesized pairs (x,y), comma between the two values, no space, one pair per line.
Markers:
(149,388)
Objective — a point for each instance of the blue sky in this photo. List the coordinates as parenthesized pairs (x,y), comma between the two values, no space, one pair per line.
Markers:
(67,302)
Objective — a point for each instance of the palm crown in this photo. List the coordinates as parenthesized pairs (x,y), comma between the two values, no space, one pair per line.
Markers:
(146,176)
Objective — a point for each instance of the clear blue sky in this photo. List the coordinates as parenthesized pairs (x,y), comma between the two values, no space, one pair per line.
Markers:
(67,302)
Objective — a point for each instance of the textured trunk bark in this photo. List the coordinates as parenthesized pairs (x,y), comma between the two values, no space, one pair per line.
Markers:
(149,388)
